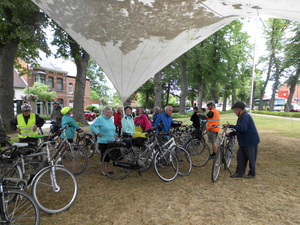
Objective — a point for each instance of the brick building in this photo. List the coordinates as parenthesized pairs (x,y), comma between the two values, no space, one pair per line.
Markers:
(284,91)
(60,75)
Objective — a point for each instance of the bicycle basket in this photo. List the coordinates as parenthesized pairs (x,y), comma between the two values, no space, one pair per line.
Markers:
(139,141)
(115,144)
(197,134)
(115,154)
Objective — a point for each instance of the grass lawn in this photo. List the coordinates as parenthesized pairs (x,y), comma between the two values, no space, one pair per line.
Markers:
(271,198)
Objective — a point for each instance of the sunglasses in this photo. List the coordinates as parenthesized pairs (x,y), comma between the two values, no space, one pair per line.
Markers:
(26,110)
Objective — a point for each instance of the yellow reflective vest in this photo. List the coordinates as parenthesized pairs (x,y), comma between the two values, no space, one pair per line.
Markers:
(26,129)
(215,120)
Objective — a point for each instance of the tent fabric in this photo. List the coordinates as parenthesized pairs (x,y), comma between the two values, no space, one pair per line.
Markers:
(132,40)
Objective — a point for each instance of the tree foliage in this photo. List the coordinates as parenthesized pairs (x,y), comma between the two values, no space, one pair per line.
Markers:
(42,91)
(21,35)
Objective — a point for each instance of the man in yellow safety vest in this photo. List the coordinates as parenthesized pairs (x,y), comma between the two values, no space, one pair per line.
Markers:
(26,124)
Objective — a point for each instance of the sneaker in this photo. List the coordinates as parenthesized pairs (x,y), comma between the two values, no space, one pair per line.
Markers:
(212,156)
(249,176)
(237,175)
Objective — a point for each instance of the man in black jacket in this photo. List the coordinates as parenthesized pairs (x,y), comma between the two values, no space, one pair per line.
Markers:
(195,119)
(56,117)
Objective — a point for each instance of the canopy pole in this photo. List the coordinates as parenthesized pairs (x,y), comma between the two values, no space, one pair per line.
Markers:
(253,68)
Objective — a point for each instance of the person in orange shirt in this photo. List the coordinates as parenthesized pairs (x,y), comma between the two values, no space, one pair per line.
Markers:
(213,119)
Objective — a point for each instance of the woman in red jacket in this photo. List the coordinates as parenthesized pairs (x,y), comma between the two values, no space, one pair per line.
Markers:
(117,121)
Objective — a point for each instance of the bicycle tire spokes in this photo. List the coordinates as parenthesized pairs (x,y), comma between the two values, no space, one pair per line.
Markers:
(166,165)
(217,164)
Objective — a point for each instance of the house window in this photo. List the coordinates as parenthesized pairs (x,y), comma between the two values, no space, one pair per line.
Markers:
(50,83)
(71,103)
(59,83)
(40,78)
(70,88)
(61,102)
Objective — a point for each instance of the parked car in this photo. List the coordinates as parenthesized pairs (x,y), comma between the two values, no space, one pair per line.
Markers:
(89,115)
(189,109)
(295,108)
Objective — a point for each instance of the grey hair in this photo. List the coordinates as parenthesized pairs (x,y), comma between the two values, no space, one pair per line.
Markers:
(107,108)
(167,107)
(156,108)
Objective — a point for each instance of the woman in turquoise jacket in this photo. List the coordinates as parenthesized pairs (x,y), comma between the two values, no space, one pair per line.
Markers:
(105,129)
(68,120)
(128,124)
(127,121)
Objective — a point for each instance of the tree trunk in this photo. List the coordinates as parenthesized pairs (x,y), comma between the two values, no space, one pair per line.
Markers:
(233,100)
(225,100)
(168,94)
(157,89)
(253,97)
(293,83)
(147,100)
(275,88)
(201,94)
(78,110)
(183,85)
(7,56)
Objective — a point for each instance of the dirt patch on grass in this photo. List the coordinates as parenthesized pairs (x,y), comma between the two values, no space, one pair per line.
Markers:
(271,198)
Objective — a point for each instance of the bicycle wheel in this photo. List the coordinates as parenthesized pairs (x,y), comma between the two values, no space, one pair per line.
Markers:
(21,208)
(74,160)
(166,165)
(184,160)
(199,152)
(143,154)
(229,152)
(217,164)
(55,199)
(118,157)
(87,146)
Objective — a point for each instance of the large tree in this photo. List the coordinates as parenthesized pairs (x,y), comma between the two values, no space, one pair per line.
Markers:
(292,61)
(21,26)
(97,78)
(67,47)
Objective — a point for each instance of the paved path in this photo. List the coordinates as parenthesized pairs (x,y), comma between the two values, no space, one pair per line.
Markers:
(278,117)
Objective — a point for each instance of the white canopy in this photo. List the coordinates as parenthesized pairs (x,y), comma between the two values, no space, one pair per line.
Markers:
(132,40)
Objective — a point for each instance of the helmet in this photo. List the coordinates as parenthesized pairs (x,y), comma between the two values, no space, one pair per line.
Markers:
(240,105)
(26,107)
(127,106)
(210,103)
(65,110)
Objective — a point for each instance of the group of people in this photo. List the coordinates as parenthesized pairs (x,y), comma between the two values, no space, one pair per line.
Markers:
(26,124)
(106,132)
(247,136)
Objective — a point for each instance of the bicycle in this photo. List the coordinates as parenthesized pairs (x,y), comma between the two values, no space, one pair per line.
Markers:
(195,146)
(183,157)
(73,157)
(54,187)
(223,155)
(124,160)
(88,142)
(17,207)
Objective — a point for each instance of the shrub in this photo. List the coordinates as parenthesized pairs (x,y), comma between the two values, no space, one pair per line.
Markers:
(178,115)
(90,108)
(45,117)
(285,114)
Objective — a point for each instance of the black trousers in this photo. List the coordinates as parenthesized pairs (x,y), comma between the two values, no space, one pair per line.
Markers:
(245,154)
(103,148)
